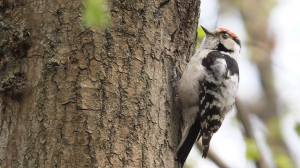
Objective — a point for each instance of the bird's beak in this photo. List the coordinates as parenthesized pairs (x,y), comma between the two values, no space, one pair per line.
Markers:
(206,31)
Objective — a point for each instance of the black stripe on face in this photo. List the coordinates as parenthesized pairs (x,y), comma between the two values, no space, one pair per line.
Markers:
(221,47)
(237,41)
(233,38)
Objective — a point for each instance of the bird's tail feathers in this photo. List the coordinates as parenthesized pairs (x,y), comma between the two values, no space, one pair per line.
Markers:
(188,142)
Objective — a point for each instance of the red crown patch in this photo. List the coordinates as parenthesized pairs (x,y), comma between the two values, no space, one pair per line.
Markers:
(229,32)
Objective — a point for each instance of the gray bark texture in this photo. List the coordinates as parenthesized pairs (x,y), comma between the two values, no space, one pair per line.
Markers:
(76,97)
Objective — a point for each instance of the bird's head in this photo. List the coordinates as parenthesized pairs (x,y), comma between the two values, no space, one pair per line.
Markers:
(222,40)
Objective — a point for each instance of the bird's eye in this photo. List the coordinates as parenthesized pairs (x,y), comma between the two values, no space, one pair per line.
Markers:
(224,36)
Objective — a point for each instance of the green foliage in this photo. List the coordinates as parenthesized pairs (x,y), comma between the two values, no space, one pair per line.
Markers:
(200,36)
(96,14)
(201,33)
(273,125)
(252,150)
(283,161)
(297,128)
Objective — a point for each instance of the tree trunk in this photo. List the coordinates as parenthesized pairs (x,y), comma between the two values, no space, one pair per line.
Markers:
(73,97)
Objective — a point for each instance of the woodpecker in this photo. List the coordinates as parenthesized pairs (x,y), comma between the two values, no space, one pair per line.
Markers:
(207,89)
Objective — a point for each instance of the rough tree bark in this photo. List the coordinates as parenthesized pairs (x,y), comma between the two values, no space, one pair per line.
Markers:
(73,97)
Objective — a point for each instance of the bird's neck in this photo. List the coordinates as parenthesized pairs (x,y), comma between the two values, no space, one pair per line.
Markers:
(233,54)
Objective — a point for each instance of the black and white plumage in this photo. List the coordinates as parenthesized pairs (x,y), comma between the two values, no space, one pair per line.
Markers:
(207,89)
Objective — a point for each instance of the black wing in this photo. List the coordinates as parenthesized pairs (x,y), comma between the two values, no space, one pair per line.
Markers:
(210,112)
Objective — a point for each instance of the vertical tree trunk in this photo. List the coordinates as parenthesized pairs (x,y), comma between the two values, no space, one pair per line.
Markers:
(72,97)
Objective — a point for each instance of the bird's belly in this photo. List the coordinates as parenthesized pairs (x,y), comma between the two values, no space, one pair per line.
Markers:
(229,91)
